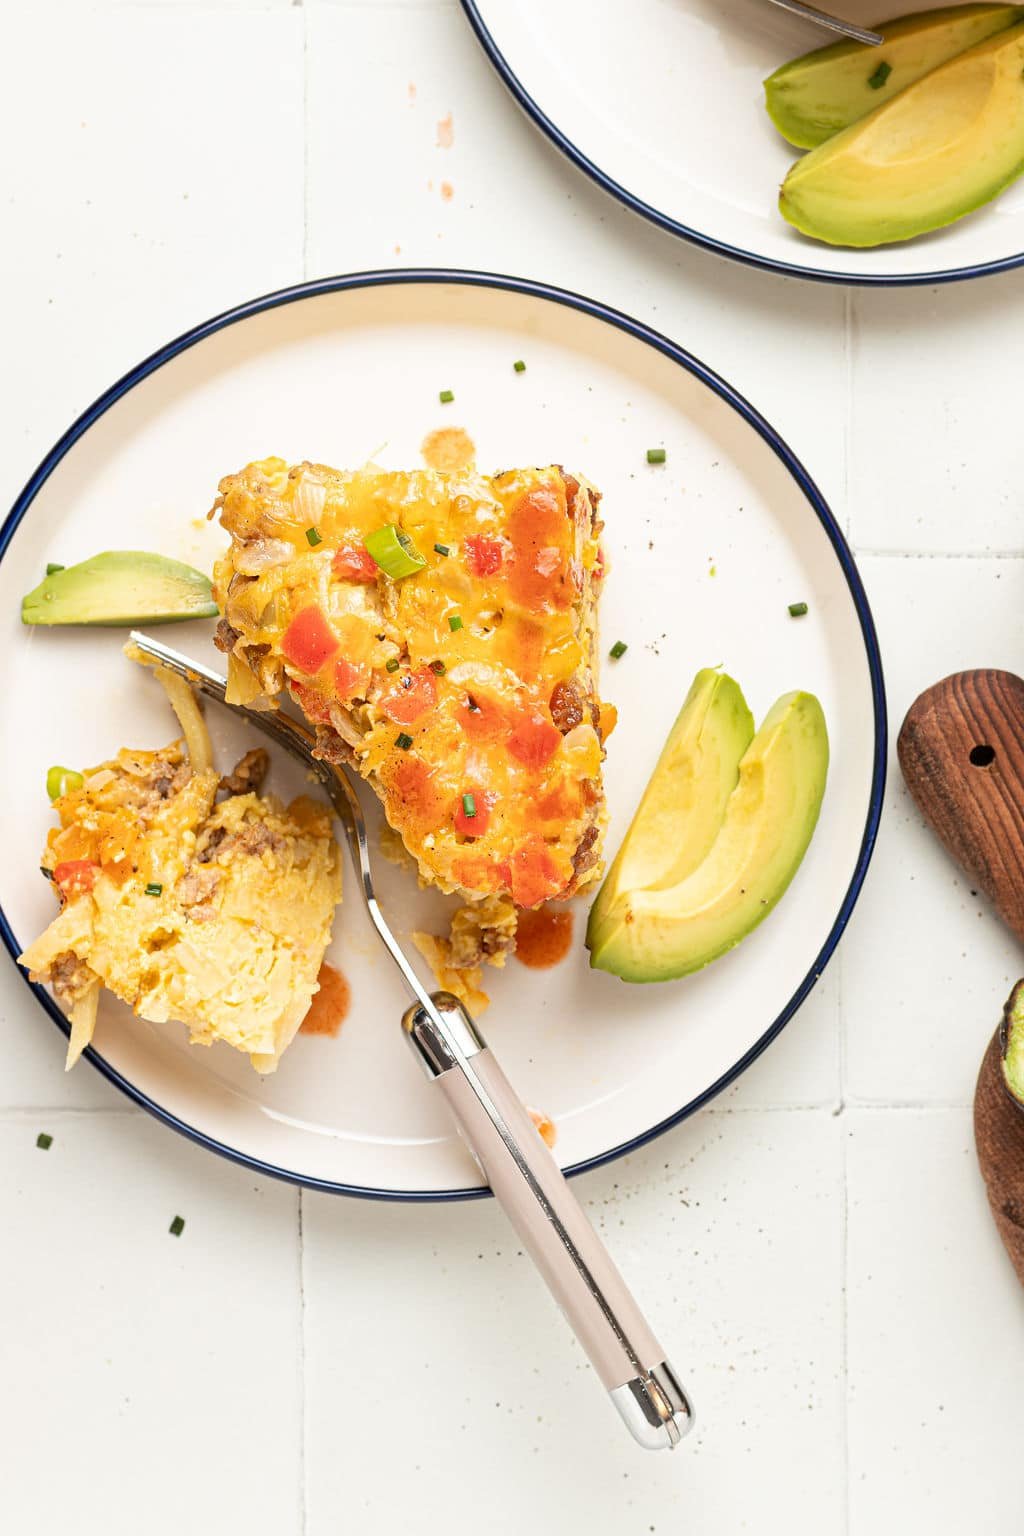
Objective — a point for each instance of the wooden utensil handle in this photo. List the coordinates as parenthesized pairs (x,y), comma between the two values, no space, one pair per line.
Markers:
(961,749)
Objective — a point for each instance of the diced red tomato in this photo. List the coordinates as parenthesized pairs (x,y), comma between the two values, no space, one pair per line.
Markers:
(533,740)
(349,679)
(353,563)
(309,640)
(311,701)
(76,875)
(484,802)
(539,530)
(484,723)
(484,557)
(535,875)
(411,697)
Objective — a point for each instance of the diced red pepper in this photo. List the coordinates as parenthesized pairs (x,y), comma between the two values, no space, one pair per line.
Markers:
(76,875)
(309,640)
(533,740)
(411,698)
(353,563)
(535,875)
(484,802)
(485,721)
(350,680)
(484,557)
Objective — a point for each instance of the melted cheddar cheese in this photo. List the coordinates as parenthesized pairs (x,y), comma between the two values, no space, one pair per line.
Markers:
(465,692)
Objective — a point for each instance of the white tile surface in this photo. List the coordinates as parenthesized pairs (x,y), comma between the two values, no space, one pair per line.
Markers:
(439,1327)
(151,1382)
(926,965)
(929,366)
(226,146)
(157,180)
(936,1338)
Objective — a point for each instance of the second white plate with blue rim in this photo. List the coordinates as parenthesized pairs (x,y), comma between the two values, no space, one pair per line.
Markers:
(706,550)
(661,102)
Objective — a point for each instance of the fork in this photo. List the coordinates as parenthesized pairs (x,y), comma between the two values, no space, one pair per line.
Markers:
(833,23)
(496,1126)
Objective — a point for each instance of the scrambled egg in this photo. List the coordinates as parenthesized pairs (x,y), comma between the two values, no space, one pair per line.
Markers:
(212,913)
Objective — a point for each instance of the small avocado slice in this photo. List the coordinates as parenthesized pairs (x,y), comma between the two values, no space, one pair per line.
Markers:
(818,95)
(768,823)
(1011,1044)
(120,587)
(935,152)
(684,803)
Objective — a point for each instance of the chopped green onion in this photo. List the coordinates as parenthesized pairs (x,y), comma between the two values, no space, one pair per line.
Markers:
(519,366)
(394,552)
(47,872)
(177,1226)
(880,76)
(468,805)
(44,1140)
(313,537)
(392,664)
(618,649)
(154,889)
(438,667)
(797,610)
(446,397)
(60,780)
(403,740)
(442,549)
(51,569)
(454,623)
(655,455)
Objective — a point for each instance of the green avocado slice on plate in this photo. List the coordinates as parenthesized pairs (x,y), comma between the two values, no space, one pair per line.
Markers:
(119,588)
(656,935)
(814,97)
(935,152)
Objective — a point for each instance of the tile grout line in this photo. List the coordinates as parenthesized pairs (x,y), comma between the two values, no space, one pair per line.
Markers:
(876,553)
(302,1368)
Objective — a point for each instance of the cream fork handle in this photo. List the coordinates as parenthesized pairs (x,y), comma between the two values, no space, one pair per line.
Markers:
(551,1224)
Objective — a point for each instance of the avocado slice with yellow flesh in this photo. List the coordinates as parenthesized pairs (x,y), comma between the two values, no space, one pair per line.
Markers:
(935,152)
(120,587)
(814,97)
(768,824)
(684,803)
(1011,1043)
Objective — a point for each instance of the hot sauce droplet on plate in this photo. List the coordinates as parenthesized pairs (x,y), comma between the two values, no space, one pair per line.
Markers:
(329,1005)
(543,937)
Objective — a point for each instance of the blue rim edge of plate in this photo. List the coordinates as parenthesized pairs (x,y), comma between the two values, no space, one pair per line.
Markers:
(673,226)
(707,376)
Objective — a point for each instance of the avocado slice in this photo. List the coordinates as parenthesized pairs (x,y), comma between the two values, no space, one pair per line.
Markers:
(120,587)
(1011,1044)
(684,803)
(819,94)
(770,818)
(935,152)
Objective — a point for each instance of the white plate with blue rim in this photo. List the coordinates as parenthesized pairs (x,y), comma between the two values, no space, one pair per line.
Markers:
(661,102)
(706,551)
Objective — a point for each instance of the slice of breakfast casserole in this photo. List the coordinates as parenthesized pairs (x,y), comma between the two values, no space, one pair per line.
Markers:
(214,912)
(438,629)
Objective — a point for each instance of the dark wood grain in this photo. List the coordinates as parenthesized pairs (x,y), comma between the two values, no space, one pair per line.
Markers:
(961,749)
(999,1138)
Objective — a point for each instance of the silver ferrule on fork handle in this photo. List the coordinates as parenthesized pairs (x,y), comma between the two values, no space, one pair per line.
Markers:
(550,1221)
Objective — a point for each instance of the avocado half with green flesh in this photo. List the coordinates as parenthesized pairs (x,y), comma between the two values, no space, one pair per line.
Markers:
(684,803)
(935,152)
(1011,1044)
(818,95)
(120,587)
(768,823)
